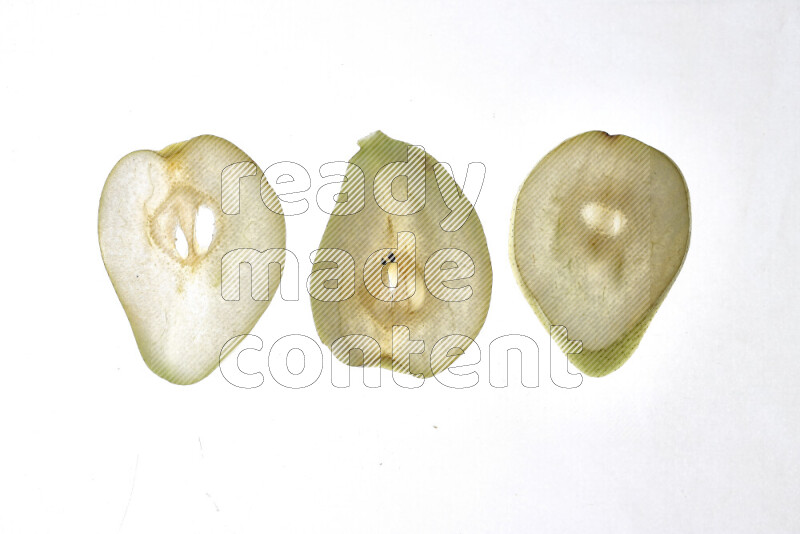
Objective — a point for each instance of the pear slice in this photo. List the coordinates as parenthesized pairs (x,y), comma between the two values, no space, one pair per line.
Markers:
(412,272)
(599,231)
(166,273)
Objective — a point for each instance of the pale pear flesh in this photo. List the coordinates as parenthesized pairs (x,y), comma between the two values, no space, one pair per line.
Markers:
(599,232)
(395,326)
(171,294)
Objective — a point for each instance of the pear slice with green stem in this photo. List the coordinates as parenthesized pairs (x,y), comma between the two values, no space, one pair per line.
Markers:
(599,232)
(166,271)
(403,277)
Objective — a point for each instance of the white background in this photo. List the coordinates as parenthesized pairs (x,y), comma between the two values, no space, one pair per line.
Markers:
(698,432)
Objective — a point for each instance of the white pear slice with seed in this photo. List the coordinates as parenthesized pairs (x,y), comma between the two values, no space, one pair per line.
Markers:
(162,237)
(599,232)
(380,320)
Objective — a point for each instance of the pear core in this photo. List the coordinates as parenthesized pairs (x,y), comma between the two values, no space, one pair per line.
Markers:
(599,232)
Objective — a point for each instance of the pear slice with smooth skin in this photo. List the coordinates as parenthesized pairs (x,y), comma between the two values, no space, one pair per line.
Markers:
(166,274)
(599,231)
(403,277)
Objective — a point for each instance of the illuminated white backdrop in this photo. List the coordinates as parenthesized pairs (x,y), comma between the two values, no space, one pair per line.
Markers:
(698,432)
